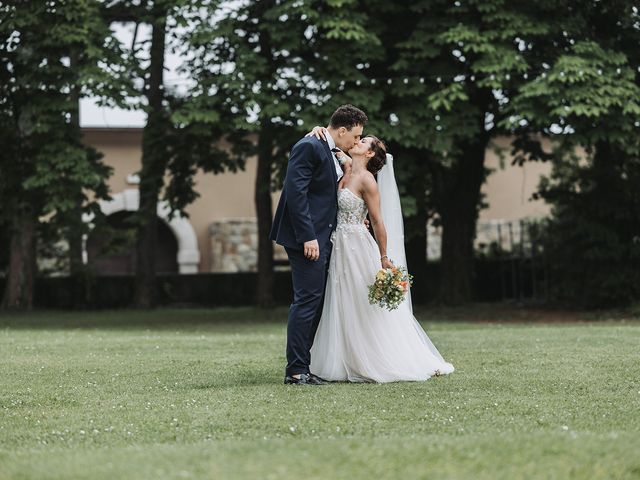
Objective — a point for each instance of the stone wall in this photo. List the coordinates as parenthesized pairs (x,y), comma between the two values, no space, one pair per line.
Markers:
(234,245)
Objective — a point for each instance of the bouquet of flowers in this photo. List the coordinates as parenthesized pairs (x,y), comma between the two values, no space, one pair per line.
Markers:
(390,287)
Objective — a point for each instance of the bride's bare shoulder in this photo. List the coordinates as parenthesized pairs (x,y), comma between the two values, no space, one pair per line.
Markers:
(369,182)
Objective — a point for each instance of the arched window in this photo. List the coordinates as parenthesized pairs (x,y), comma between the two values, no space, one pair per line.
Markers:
(111,249)
(187,253)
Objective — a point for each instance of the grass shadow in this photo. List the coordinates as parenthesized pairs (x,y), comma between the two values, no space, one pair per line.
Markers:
(156,319)
(233,319)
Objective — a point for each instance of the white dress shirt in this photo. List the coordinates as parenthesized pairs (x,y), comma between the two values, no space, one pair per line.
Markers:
(332,145)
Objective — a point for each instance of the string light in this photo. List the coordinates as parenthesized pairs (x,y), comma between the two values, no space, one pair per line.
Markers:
(457,78)
(464,77)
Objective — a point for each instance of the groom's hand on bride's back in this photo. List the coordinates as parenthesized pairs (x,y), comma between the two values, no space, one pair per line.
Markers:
(312,250)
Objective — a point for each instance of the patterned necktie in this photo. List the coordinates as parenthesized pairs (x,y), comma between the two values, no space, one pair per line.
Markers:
(335,150)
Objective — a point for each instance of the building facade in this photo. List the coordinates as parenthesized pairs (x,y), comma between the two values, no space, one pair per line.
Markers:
(219,232)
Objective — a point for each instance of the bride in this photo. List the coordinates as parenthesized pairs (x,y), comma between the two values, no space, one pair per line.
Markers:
(357,341)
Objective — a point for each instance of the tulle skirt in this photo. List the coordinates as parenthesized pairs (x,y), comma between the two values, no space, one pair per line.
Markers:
(360,342)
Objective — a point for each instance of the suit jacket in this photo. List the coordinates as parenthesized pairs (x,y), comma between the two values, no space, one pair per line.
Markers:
(308,205)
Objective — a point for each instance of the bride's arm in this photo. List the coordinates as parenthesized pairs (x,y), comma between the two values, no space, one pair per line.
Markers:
(371,197)
(318,132)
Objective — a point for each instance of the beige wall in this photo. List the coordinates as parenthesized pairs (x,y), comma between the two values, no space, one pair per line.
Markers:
(121,149)
(508,190)
(228,195)
(221,196)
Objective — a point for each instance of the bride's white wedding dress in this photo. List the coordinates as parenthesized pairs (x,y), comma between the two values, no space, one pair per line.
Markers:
(357,341)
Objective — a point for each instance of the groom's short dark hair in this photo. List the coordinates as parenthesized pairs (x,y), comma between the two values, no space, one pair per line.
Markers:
(348,116)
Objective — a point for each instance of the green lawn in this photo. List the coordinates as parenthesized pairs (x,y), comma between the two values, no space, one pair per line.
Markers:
(199,394)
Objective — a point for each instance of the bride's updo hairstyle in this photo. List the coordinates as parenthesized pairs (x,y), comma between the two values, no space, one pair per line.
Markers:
(379,158)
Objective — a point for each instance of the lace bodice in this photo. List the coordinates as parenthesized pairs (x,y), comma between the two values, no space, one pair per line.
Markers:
(352,210)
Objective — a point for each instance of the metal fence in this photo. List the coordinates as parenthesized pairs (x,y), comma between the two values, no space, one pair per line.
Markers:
(509,253)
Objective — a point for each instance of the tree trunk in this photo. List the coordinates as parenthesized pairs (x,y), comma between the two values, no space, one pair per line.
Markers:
(154,159)
(264,212)
(21,272)
(605,162)
(458,209)
(77,269)
(416,228)
(75,228)
(262,191)
(416,249)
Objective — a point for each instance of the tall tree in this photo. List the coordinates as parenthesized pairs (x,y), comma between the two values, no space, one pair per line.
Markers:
(182,132)
(154,157)
(45,169)
(278,68)
(453,74)
(587,98)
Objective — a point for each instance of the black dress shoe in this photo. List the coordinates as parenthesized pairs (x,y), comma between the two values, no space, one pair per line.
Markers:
(305,379)
(320,379)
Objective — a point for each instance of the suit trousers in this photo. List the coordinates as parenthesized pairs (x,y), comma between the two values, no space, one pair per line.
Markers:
(309,282)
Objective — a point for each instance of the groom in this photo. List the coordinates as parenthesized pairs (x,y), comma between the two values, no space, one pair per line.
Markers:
(305,217)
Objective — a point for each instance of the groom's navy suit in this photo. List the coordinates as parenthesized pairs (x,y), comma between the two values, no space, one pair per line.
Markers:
(307,211)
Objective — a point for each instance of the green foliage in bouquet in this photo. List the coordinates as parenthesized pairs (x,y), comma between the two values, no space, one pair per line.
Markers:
(390,287)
